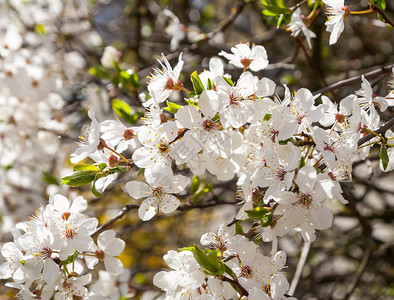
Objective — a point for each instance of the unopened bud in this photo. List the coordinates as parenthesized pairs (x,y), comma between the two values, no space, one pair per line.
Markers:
(129,134)
(113,161)
(102,144)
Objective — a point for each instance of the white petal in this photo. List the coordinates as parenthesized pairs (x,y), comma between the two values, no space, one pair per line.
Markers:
(138,189)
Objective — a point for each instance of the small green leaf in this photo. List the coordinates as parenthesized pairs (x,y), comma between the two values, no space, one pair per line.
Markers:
(40,29)
(85,167)
(380,4)
(79,178)
(197,84)
(172,107)
(267,117)
(384,156)
(208,259)
(141,172)
(102,166)
(301,163)
(49,178)
(118,169)
(99,71)
(257,213)
(238,228)
(228,80)
(266,220)
(70,259)
(94,190)
(195,185)
(210,84)
(123,110)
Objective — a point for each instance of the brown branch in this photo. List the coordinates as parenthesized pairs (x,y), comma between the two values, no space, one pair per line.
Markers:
(236,284)
(382,129)
(379,11)
(130,207)
(118,216)
(346,82)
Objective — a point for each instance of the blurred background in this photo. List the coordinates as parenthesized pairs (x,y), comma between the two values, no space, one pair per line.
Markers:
(52,73)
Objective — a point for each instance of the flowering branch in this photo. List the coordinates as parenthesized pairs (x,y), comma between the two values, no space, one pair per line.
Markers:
(349,81)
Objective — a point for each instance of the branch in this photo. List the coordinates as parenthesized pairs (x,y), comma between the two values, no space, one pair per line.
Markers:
(382,129)
(129,207)
(342,83)
(360,271)
(237,284)
(379,11)
(300,267)
(118,216)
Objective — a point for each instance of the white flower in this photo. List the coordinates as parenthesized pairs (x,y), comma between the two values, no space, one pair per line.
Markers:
(297,25)
(108,247)
(255,59)
(337,13)
(157,148)
(90,144)
(117,134)
(163,82)
(157,193)
(367,99)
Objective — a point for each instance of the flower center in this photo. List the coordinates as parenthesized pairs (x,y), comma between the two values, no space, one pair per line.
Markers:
(246,272)
(163,147)
(157,191)
(281,174)
(305,199)
(208,125)
(246,62)
(99,254)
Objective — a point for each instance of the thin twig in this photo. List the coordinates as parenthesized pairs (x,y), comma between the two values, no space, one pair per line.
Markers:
(382,129)
(300,267)
(360,271)
(118,216)
(346,82)
(183,207)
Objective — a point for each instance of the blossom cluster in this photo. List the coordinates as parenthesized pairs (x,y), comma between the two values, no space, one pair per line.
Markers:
(288,154)
(261,276)
(44,260)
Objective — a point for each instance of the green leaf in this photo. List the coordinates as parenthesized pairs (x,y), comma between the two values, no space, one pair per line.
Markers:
(172,107)
(79,178)
(40,29)
(208,259)
(238,228)
(85,167)
(102,166)
(210,84)
(99,71)
(384,156)
(380,4)
(70,259)
(195,185)
(266,220)
(197,84)
(123,110)
(94,190)
(228,80)
(118,169)
(49,178)
(257,213)
(301,163)
(141,172)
